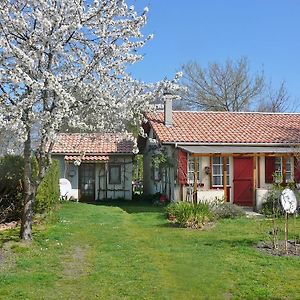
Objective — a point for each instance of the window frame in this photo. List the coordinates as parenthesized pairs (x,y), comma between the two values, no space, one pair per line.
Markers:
(288,170)
(220,175)
(190,172)
(110,167)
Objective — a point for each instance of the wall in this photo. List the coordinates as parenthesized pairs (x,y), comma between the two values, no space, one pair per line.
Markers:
(262,191)
(114,191)
(69,171)
(204,193)
(165,184)
(178,193)
(124,190)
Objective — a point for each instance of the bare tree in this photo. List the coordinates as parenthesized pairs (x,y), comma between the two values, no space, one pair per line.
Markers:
(221,87)
(275,100)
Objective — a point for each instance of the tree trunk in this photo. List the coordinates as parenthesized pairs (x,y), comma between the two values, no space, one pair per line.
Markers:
(29,193)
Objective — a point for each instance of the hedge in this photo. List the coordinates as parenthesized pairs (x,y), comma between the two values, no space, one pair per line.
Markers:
(11,188)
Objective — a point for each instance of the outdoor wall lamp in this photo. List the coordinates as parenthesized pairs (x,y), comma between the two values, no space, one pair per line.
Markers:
(207,170)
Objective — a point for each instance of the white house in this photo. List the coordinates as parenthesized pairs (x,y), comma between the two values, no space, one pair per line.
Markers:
(99,166)
(207,151)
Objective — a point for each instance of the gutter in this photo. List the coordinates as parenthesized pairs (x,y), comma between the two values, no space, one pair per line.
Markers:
(90,154)
(178,144)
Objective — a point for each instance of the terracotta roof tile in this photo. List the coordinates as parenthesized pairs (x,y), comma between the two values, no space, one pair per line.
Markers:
(226,127)
(74,143)
(86,158)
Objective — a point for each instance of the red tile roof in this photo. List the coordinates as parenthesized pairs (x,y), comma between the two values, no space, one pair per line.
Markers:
(87,158)
(226,127)
(75,143)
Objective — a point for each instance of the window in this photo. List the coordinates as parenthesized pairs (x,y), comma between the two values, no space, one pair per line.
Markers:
(288,168)
(217,171)
(191,169)
(114,174)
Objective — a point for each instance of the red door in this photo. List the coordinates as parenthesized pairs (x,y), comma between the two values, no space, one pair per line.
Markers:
(243,181)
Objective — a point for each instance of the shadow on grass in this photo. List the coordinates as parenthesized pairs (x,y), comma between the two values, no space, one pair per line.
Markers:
(233,243)
(131,207)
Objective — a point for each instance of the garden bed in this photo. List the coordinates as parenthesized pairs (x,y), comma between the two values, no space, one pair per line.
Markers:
(267,247)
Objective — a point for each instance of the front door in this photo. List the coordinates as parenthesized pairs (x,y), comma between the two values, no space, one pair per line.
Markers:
(87,182)
(243,181)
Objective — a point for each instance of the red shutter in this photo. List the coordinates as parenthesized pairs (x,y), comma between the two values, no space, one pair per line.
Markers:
(269,168)
(297,169)
(182,167)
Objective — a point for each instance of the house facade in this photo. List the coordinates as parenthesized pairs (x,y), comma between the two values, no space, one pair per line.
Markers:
(98,166)
(207,151)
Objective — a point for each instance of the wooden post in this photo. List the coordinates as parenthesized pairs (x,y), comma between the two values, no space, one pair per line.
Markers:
(286,232)
(254,180)
(224,158)
(181,192)
(195,179)
(258,172)
(283,159)
(211,171)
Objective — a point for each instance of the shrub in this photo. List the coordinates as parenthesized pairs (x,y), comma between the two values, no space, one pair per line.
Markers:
(272,205)
(48,192)
(226,210)
(11,188)
(190,215)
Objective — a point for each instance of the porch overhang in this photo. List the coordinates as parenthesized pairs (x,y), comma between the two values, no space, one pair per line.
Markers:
(236,149)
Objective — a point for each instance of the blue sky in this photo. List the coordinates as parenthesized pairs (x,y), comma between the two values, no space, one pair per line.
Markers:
(265,31)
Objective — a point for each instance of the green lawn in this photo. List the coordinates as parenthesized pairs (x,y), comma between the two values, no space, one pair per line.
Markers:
(130,252)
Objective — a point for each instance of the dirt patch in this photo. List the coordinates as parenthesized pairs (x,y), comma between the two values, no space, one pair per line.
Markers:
(76,264)
(10,225)
(205,226)
(293,248)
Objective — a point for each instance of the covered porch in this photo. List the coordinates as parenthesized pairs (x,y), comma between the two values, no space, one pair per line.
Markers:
(246,172)
(98,177)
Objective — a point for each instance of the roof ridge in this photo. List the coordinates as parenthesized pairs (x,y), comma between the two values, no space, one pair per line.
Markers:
(232,112)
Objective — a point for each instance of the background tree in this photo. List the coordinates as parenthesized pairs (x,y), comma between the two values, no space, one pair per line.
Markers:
(65,62)
(221,87)
(275,100)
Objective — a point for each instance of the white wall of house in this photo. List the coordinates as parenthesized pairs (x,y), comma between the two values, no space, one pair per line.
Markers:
(205,192)
(69,171)
(112,191)
(263,189)
(104,189)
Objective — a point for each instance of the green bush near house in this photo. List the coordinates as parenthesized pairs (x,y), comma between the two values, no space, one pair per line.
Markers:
(190,215)
(187,214)
(47,195)
(11,188)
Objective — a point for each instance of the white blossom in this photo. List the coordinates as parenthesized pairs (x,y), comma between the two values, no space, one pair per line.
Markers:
(65,63)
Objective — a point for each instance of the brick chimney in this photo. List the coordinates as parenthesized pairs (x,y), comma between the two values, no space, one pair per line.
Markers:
(167,98)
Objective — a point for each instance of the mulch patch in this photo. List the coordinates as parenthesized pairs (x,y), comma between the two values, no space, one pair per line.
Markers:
(293,248)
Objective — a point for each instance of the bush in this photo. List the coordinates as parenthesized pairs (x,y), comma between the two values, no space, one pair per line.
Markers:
(227,210)
(190,215)
(272,205)
(11,188)
(48,192)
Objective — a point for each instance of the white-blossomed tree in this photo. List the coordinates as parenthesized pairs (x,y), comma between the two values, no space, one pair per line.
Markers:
(65,62)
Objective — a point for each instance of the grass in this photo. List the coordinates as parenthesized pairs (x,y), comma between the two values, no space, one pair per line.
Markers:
(129,251)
